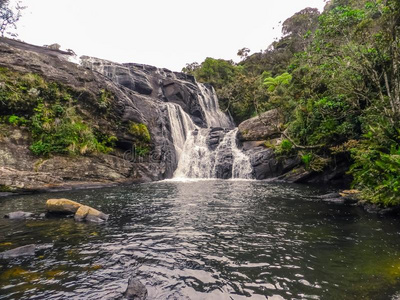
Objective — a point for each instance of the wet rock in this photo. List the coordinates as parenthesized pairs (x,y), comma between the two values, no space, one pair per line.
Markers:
(87,213)
(81,212)
(352,196)
(17,215)
(338,200)
(264,163)
(28,250)
(329,196)
(62,206)
(135,290)
(264,126)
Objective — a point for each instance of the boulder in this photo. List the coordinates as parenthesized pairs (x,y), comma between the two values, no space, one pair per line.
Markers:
(62,206)
(264,126)
(135,290)
(82,212)
(18,215)
(28,250)
(87,213)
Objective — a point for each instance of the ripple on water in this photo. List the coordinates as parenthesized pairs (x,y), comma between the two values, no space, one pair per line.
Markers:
(204,239)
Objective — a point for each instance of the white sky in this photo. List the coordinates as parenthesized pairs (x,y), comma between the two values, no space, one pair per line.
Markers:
(163,33)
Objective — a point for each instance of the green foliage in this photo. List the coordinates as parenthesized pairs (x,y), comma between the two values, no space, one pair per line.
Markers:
(284,148)
(217,72)
(66,135)
(139,131)
(306,159)
(142,138)
(272,83)
(335,77)
(49,110)
(142,150)
(377,172)
(105,99)
(16,121)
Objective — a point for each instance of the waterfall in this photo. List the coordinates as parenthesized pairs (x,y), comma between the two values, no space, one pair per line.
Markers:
(196,157)
(209,103)
(181,126)
(241,167)
(226,161)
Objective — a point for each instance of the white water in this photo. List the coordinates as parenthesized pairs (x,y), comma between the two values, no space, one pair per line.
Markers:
(209,103)
(241,167)
(195,159)
(181,126)
(198,161)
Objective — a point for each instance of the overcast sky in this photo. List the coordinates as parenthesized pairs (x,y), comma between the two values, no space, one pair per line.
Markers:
(163,33)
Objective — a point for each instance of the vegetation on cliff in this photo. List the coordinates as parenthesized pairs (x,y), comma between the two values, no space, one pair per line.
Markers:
(335,78)
(49,111)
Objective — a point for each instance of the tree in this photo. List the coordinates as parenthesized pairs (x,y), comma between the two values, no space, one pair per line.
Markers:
(243,53)
(9,16)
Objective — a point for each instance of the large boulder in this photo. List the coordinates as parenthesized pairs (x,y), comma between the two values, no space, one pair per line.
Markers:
(262,127)
(82,212)
(62,206)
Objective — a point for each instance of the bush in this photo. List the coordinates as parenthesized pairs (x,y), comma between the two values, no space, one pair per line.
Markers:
(50,114)
(139,131)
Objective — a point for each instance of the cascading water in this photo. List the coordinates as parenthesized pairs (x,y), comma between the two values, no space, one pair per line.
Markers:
(181,126)
(209,103)
(196,158)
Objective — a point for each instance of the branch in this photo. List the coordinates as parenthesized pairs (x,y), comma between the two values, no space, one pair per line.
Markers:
(300,146)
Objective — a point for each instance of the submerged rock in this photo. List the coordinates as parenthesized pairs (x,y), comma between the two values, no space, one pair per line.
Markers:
(87,213)
(28,250)
(135,290)
(17,215)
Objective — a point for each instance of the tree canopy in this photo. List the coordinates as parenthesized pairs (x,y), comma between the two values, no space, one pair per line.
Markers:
(9,16)
(335,77)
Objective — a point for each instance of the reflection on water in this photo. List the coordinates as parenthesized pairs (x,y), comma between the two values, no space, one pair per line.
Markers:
(209,239)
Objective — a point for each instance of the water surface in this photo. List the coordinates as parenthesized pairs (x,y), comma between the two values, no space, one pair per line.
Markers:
(203,240)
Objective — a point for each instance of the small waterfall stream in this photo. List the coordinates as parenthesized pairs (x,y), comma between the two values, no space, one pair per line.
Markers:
(197,158)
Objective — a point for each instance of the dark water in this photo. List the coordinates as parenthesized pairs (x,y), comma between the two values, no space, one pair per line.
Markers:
(203,240)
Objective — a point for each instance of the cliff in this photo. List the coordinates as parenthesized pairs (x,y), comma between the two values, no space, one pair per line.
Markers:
(120,114)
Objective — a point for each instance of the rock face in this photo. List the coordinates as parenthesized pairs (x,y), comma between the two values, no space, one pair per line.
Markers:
(262,127)
(256,131)
(140,94)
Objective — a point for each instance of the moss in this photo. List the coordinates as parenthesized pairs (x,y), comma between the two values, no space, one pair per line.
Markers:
(139,131)
(18,272)
(105,99)
(142,137)
(51,113)
(5,189)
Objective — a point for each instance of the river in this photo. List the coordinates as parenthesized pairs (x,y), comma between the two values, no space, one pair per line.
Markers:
(203,239)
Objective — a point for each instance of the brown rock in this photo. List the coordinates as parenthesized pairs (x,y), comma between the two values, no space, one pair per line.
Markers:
(62,206)
(87,213)
(81,213)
